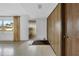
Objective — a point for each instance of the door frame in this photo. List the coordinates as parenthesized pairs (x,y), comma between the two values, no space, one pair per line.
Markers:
(63,29)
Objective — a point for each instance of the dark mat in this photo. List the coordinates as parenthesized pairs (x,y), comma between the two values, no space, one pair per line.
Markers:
(41,42)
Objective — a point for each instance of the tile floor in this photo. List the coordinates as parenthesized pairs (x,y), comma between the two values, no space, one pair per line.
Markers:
(25,49)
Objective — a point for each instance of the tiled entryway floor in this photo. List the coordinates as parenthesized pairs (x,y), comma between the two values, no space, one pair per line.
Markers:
(25,49)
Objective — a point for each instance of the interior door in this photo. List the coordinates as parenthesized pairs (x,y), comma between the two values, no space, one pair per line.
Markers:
(72,29)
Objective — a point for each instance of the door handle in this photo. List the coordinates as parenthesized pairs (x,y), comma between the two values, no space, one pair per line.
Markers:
(66,36)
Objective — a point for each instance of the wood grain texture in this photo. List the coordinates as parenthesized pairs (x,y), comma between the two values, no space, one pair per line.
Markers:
(54,29)
(16,28)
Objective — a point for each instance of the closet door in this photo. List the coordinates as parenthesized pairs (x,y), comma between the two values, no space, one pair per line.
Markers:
(75,41)
(69,29)
(72,29)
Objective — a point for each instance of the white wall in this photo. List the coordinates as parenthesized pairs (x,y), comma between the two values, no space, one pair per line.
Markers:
(6,36)
(41,28)
(24,27)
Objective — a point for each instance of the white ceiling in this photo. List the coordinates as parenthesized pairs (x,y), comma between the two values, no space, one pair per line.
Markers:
(30,9)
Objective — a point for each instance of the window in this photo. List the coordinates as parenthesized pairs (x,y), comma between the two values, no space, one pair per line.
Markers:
(6,24)
(0,24)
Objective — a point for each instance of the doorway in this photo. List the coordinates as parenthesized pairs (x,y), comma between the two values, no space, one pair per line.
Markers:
(32,29)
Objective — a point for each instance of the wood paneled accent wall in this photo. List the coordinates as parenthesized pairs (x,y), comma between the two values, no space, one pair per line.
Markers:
(16,28)
(54,29)
(63,29)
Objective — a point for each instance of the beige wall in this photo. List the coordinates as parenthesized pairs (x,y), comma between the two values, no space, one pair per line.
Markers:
(54,29)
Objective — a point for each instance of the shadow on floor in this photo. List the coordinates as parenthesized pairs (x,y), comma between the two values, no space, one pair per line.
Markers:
(41,42)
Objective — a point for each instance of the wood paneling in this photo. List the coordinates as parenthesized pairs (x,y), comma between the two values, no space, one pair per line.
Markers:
(16,28)
(66,17)
(54,29)
(72,29)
